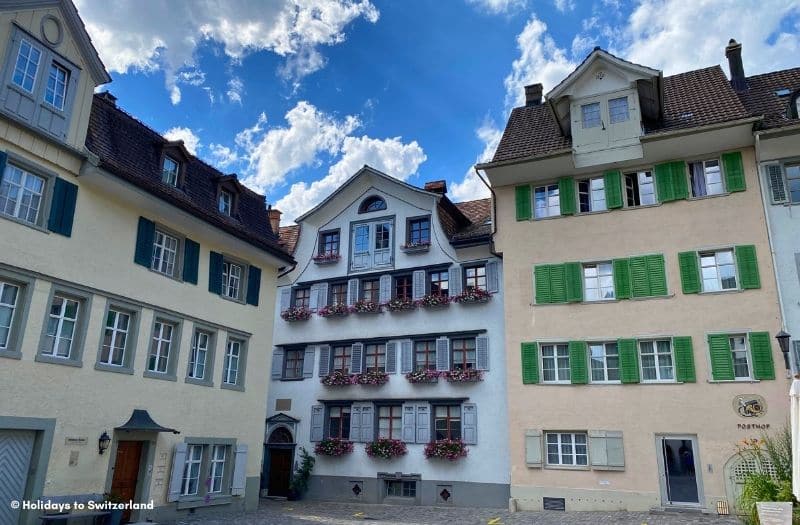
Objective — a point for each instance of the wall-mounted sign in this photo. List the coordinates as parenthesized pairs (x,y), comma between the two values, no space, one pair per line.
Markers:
(752,426)
(76,441)
(749,405)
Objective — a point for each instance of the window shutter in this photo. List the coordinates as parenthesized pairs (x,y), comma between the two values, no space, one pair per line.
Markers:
(690,272)
(322,295)
(418,284)
(640,281)
(558,283)
(239,481)
(423,422)
(253,285)
(578,370)
(733,168)
(455,280)
(606,450)
(391,357)
(613,184)
(761,350)
(318,423)
(664,186)
(721,357)
(657,275)
(191,261)
(355,422)
(533,448)
(407,357)
(324,360)
(367,422)
(176,476)
(597,448)
(313,299)
(62,207)
(145,233)
(214,273)
(684,359)
(286,299)
(482,352)
(442,354)
(277,363)
(469,423)
(308,361)
(530,363)
(680,182)
(356,352)
(523,201)
(492,276)
(628,361)
(541,278)
(747,265)
(573,273)
(774,174)
(622,278)
(566,195)
(409,431)
(385,289)
(352,292)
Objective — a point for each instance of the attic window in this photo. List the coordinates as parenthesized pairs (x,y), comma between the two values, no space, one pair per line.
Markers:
(169,171)
(782,92)
(590,115)
(371,204)
(225,204)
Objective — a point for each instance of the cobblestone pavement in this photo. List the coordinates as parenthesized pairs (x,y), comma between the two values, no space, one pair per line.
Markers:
(309,512)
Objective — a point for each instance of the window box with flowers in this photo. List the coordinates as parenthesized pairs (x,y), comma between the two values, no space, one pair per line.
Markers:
(423,376)
(416,247)
(296,313)
(385,448)
(401,304)
(371,378)
(326,258)
(334,310)
(434,301)
(337,378)
(450,449)
(335,447)
(465,375)
(366,307)
(473,296)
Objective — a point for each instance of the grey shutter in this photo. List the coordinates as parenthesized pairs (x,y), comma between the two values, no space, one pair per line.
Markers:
(482,352)
(367,422)
(492,276)
(533,448)
(317,422)
(606,450)
(277,363)
(418,284)
(407,357)
(355,422)
(454,280)
(442,354)
(176,476)
(409,417)
(391,357)
(356,357)
(469,423)
(239,471)
(352,291)
(308,361)
(385,289)
(423,422)
(313,300)
(322,295)
(324,360)
(777,188)
(286,299)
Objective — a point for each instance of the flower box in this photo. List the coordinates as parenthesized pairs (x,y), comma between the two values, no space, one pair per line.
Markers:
(416,247)
(337,378)
(473,296)
(468,375)
(333,447)
(366,307)
(374,378)
(326,258)
(384,448)
(434,301)
(400,304)
(423,376)
(449,449)
(298,313)
(334,310)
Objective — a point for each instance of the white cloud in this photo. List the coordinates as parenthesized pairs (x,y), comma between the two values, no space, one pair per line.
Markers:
(189,138)
(235,90)
(222,156)
(499,6)
(564,5)
(191,76)
(471,187)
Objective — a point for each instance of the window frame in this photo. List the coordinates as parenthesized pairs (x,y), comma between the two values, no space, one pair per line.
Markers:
(408,286)
(227,261)
(448,418)
(793,163)
(24,39)
(165,179)
(178,263)
(410,222)
(707,253)
(346,358)
(84,300)
(444,277)
(590,192)
(393,407)
(343,429)
(372,235)
(19,320)
(208,376)
(558,379)
(299,363)
(54,65)
(375,290)
(204,497)
(584,114)
(465,351)
(585,281)
(656,360)
(174,350)
(25,165)
(379,345)
(605,355)
(131,340)
(367,203)
(332,295)
(689,170)
(748,356)
(429,351)
(241,362)
(627,118)
(222,205)
(638,189)
(548,188)
(322,242)
(561,465)
(404,483)
(466,278)
(306,299)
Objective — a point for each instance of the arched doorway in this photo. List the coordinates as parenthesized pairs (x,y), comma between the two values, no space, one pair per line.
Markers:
(736,471)
(280,451)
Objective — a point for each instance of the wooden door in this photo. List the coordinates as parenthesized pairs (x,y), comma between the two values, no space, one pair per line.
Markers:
(280,471)
(126,472)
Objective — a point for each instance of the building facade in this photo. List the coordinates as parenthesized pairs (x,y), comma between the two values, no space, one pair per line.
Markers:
(640,299)
(134,285)
(389,339)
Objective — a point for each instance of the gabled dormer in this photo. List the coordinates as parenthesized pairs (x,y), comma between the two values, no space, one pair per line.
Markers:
(602,106)
(227,198)
(174,157)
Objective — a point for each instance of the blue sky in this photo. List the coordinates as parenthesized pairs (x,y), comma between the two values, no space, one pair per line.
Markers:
(295,96)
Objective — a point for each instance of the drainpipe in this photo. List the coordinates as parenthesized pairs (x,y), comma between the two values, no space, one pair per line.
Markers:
(494,215)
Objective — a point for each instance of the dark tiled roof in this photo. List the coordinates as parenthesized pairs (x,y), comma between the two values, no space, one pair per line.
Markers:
(761,99)
(130,150)
(288,237)
(478,212)
(530,131)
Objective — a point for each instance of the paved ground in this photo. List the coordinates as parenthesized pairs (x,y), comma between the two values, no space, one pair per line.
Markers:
(307,513)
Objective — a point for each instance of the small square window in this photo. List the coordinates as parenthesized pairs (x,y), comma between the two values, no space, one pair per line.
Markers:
(370,290)
(604,358)
(302,298)
(425,355)
(21,194)
(598,281)
(419,232)
(592,195)
(390,421)
(658,363)
(339,422)
(567,449)
(375,357)
(447,422)
(403,286)
(639,189)
(338,293)
(169,171)
(225,203)
(718,271)
(293,364)
(329,243)
(475,277)
(463,353)
(590,115)
(439,283)
(341,358)
(401,489)
(546,201)
(618,110)
(706,178)
(555,363)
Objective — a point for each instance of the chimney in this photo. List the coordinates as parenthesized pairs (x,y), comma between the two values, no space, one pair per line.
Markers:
(108,97)
(533,95)
(274,217)
(436,186)
(733,52)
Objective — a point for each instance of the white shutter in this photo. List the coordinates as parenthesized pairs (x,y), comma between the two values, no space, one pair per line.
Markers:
(482,352)
(454,280)
(409,433)
(492,276)
(317,423)
(774,174)
(391,356)
(176,477)
(322,295)
(367,422)
(356,357)
(423,422)
(442,354)
(605,450)
(277,363)
(418,284)
(533,448)
(239,481)
(324,360)
(355,422)
(286,299)
(385,289)
(406,357)
(352,291)
(313,300)
(308,361)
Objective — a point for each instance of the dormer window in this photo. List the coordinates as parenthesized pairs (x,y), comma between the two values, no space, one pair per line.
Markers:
(590,115)
(27,65)
(225,203)
(56,90)
(618,110)
(371,204)
(169,171)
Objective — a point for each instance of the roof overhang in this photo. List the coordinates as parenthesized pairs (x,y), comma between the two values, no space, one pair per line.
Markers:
(140,421)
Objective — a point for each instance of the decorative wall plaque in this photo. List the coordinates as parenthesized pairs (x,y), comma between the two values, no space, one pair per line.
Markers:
(749,405)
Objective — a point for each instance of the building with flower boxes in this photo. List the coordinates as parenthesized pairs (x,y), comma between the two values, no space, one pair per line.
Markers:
(389,358)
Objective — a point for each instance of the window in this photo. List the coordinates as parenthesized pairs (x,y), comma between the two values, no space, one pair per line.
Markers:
(401,489)
(706,178)
(373,203)
(382,235)
(439,282)
(21,194)
(27,65)
(618,110)
(555,363)
(403,287)
(657,361)
(567,449)
(598,281)
(475,277)
(425,355)
(463,353)
(604,358)
(165,253)
(741,359)
(718,271)
(792,179)
(338,293)
(302,298)
(160,347)
(218,453)
(639,189)
(590,115)
(419,231)
(371,245)
(370,290)
(199,354)
(293,364)
(375,357)
(191,470)
(169,171)
(389,422)
(225,204)
(592,194)
(115,336)
(339,422)
(232,280)
(9,294)
(230,370)
(546,201)
(329,243)
(61,327)
(447,422)
(206,470)
(56,91)
(341,358)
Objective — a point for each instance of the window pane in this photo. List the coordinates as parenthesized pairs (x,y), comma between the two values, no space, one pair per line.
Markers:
(618,109)
(590,115)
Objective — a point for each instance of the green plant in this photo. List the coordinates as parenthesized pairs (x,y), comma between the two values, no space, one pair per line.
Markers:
(302,473)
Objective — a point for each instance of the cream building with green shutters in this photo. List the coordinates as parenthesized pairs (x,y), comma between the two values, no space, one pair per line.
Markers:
(641,304)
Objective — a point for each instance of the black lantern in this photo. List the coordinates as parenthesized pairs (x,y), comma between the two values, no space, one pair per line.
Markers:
(783,343)
(103,442)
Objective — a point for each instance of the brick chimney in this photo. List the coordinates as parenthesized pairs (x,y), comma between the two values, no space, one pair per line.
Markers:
(436,186)
(274,217)
(733,52)
(533,95)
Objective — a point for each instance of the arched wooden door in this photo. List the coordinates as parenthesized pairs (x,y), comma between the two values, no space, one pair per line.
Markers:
(280,446)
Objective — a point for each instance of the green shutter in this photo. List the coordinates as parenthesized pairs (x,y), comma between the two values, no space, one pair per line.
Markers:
(530,363)
(523,199)
(657,275)
(690,272)
(721,357)
(578,369)
(684,359)
(622,278)
(628,361)
(558,283)
(574,278)
(613,184)
(191,260)
(145,233)
(680,182)
(253,285)
(761,350)
(566,193)
(62,207)
(664,186)
(733,168)
(541,280)
(747,265)
(215,273)
(640,281)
